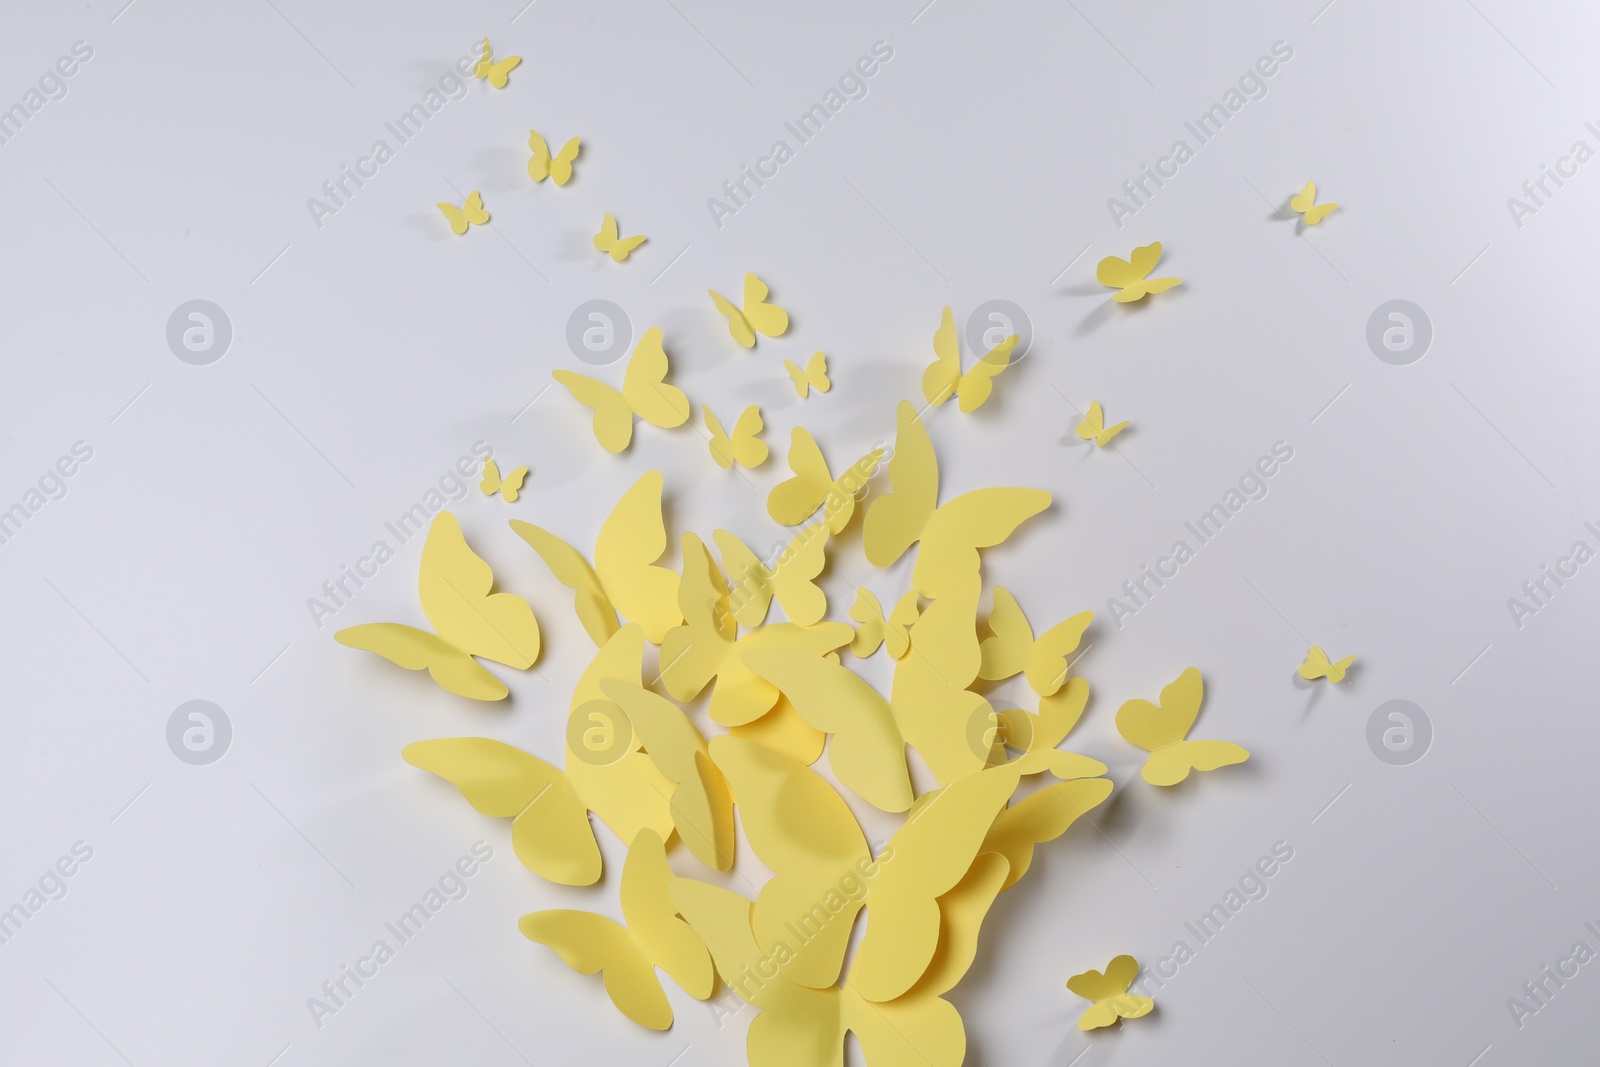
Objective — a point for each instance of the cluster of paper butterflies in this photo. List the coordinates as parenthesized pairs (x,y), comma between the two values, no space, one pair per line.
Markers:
(780,695)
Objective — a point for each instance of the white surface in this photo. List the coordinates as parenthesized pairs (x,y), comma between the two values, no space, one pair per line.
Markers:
(379,347)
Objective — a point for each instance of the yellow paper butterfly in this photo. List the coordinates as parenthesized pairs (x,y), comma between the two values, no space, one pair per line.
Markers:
(1161,729)
(619,248)
(814,376)
(1305,202)
(744,447)
(940,717)
(470,214)
(708,646)
(794,501)
(950,535)
(557,168)
(1036,735)
(1317,665)
(791,578)
(1040,818)
(509,486)
(495,72)
(624,576)
(894,633)
(757,316)
(454,586)
(1011,649)
(1093,427)
(1109,991)
(629,955)
(644,394)
(1131,276)
(943,378)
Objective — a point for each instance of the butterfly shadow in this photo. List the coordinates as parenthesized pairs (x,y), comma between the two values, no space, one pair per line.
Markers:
(433,224)
(1105,312)
(1285,212)
(1313,698)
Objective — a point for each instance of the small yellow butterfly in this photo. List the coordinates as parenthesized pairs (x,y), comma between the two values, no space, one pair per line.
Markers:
(744,447)
(509,486)
(645,393)
(495,72)
(469,214)
(1161,729)
(757,316)
(608,241)
(814,376)
(1317,665)
(943,378)
(1305,202)
(559,168)
(893,633)
(1131,275)
(1109,991)
(1093,427)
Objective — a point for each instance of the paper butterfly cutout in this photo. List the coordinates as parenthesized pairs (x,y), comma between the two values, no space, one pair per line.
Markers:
(893,633)
(1011,649)
(814,376)
(1042,817)
(628,956)
(644,393)
(757,315)
(943,378)
(557,168)
(1317,665)
(470,214)
(509,486)
(790,578)
(1093,427)
(950,535)
(1130,275)
(1305,202)
(454,585)
(1109,991)
(624,576)
(618,248)
(1161,731)
(495,72)
(794,501)
(745,447)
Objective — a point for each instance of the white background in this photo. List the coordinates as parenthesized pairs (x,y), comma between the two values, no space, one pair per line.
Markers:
(370,352)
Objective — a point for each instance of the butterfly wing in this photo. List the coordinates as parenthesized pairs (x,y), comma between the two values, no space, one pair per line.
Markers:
(1316,664)
(869,634)
(561,166)
(550,832)
(415,650)
(594,608)
(1046,666)
(644,384)
(738,325)
(817,372)
(1105,436)
(1155,726)
(763,317)
(623,247)
(741,695)
(491,478)
(752,581)
(802,384)
(796,499)
(897,635)
(961,914)
(613,417)
(1040,818)
(1318,213)
(693,652)
(974,387)
(940,379)
(1172,764)
(721,447)
(454,586)
(1094,422)
(453,215)
(1305,198)
(591,943)
(793,582)
(670,942)
(748,448)
(605,240)
(1336,670)
(1005,651)
(499,71)
(896,519)
(632,538)
(983,518)
(539,165)
(474,209)
(511,484)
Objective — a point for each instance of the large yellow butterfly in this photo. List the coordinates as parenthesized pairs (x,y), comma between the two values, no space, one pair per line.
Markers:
(644,394)
(950,535)
(1109,991)
(509,486)
(495,72)
(791,578)
(803,830)
(1161,729)
(618,248)
(804,1027)
(757,315)
(814,376)
(1011,649)
(454,585)
(629,955)
(624,577)
(470,214)
(707,645)
(1317,665)
(745,447)
(1093,427)
(557,168)
(1130,276)
(943,378)
(1305,202)
(794,501)
(893,633)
